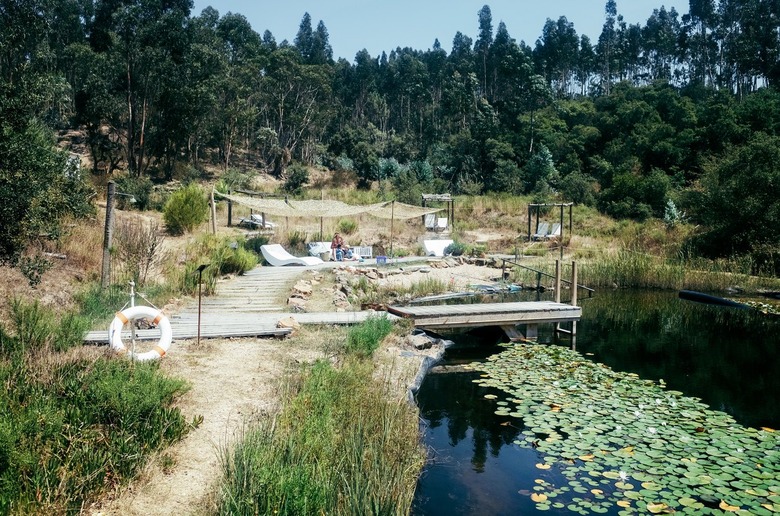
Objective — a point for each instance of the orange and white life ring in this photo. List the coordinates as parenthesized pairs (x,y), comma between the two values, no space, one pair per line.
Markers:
(135,312)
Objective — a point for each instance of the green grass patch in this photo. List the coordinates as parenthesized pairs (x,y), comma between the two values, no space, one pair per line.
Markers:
(339,446)
(364,339)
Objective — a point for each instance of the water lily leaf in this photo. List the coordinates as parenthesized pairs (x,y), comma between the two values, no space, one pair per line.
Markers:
(767,429)
(724,506)
(543,466)
(539,497)
(624,503)
(656,508)
(490,396)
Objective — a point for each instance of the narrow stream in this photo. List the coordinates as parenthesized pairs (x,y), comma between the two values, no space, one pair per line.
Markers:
(729,358)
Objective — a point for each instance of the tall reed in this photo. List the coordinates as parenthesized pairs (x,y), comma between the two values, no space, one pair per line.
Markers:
(341,444)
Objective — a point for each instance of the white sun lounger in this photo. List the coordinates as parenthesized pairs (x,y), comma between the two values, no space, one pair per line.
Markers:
(278,257)
(435,247)
(541,231)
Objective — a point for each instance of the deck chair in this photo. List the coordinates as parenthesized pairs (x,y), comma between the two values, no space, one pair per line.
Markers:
(555,231)
(441,223)
(255,220)
(430,221)
(276,255)
(541,231)
(319,249)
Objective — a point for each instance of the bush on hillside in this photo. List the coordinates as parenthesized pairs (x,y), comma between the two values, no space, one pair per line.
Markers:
(186,209)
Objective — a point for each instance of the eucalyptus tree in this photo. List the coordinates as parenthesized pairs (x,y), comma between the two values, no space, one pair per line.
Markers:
(699,41)
(149,38)
(461,87)
(660,37)
(586,64)
(296,104)
(512,76)
(556,54)
(607,46)
(39,186)
(482,48)
(313,46)
(238,85)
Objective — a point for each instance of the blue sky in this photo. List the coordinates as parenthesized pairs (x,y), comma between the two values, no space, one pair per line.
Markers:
(384,25)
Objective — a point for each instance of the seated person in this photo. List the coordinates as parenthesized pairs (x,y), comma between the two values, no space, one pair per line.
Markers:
(336,247)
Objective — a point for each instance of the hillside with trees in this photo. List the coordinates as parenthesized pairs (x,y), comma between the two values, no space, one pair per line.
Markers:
(676,118)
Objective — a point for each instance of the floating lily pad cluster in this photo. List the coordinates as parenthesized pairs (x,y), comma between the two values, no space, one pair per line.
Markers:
(626,444)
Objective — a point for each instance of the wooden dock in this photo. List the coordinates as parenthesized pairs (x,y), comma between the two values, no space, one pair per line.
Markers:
(489,314)
(245,306)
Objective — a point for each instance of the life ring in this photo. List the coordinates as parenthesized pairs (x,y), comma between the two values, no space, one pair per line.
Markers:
(135,312)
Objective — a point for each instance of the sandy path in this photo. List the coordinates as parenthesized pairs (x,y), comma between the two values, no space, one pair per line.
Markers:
(232,382)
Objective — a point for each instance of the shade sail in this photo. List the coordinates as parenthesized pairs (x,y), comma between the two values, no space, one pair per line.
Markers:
(314,208)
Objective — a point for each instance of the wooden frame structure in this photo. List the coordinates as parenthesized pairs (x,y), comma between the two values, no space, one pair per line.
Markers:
(445,198)
(536,208)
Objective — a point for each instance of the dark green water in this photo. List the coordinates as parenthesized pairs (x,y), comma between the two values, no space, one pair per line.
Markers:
(729,358)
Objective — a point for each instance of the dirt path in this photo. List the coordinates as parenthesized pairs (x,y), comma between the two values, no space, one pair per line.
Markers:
(233,381)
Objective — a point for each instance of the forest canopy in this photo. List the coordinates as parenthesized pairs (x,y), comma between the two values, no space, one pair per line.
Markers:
(677,117)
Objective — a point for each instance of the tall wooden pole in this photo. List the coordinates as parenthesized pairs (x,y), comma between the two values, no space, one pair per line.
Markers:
(392,220)
(213,214)
(105,273)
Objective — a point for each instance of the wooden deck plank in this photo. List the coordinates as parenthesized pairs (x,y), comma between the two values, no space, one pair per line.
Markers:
(488,314)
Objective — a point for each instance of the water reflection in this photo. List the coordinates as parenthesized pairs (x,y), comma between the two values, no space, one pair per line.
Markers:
(728,358)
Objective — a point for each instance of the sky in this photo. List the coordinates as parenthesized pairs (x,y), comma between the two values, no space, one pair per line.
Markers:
(383,25)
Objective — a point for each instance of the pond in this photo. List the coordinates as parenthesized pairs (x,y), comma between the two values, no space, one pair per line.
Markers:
(615,427)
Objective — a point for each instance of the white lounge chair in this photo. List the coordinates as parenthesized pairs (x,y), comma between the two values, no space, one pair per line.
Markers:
(435,247)
(555,231)
(441,223)
(318,248)
(430,221)
(541,231)
(276,255)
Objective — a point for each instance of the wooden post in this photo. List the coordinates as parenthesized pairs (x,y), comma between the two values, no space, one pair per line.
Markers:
(529,222)
(392,219)
(561,237)
(230,212)
(108,232)
(557,281)
(573,283)
(213,214)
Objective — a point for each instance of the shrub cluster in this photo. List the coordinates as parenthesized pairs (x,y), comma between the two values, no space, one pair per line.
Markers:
(73,423)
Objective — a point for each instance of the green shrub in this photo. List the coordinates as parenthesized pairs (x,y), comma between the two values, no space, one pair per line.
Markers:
(186,209)
(296,239)
(455,249)
(138,190)
(297,177)
(234,260)
(85,425)
(347,226)
(255,243)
